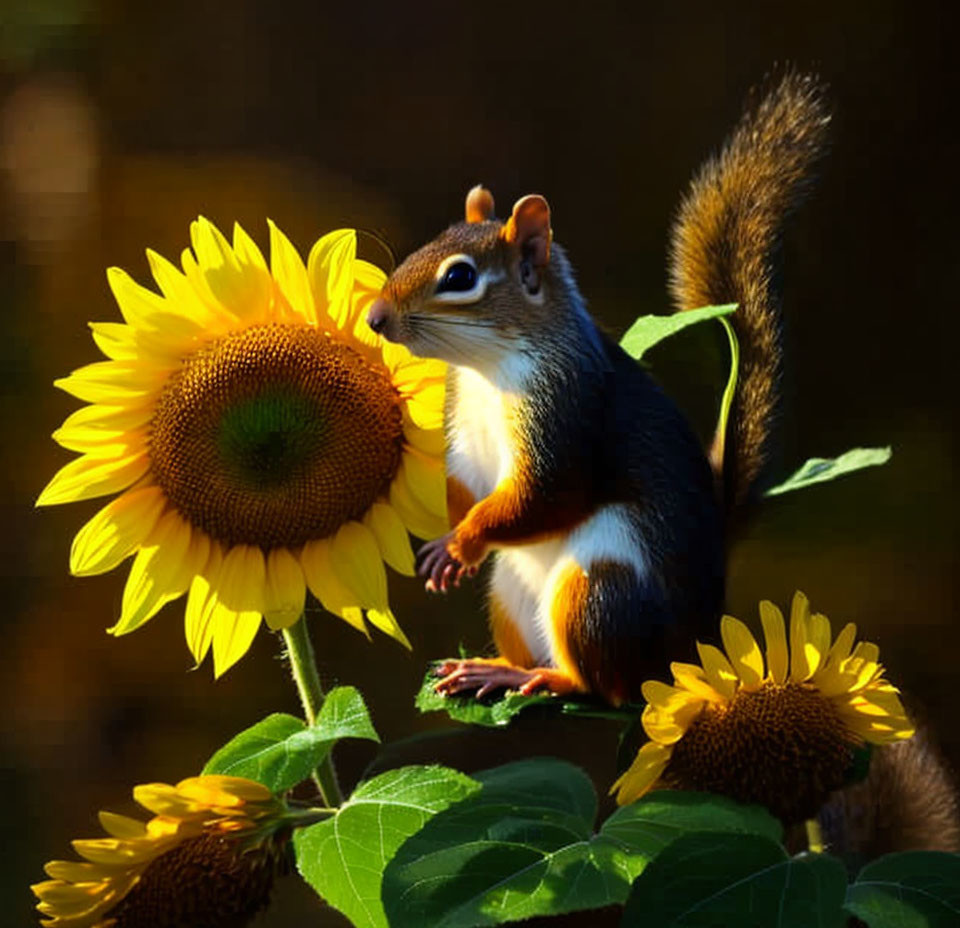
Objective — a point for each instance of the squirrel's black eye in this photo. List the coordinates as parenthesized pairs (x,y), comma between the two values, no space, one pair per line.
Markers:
(460,277)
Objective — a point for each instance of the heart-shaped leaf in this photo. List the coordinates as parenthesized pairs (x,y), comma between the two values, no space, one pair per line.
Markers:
(647,331)
(705,879)
(343,858)
(281,750)
(913,889)
(525,846)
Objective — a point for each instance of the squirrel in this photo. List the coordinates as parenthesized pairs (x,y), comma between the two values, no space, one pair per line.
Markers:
(564,456)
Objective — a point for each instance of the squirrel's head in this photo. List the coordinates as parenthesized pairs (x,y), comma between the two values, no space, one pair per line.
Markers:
(477,290)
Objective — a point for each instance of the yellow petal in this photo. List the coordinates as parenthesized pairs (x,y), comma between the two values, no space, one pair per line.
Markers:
(718,671)
(122,826)
(74,871)
(392,537)
(643,773)
(242,288)
(114,851)
(743,651)
(882,702)
(218,789)
(233,633)
(122,342)
(247,250)
(799,638)
(91,476)
(109,420)
(775,635)
(692,678)
(317,564)
(356,324)
(356,561)
(426,406)
(286,589)
(863,672)
(867,651)
(77,906)
(243,579)
(161,571)
(394,356)
(198,618)
(387,623)
(144,309)
(427,480)
(330,272)
(418,373)
(841,647)
(880,719)
(818,645)
(367,276)
(115,382)
(429,441)
(164,799)
(101,443)
(287,268)
(669,711)
(182,296)
(116,531)
(116,340)
(415,516)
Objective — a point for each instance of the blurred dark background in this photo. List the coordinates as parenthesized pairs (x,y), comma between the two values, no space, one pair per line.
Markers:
(120,122)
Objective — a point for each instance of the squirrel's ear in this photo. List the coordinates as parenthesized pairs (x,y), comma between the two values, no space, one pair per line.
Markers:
(479,205)
(528,228)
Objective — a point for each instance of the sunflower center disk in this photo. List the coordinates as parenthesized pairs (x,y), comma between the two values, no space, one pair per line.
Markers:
(206,880)
(274,436)
(783,746)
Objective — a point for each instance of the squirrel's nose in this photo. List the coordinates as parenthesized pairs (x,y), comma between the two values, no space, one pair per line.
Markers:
(379,316)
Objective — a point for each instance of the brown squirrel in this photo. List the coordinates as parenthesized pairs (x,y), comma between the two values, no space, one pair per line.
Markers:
(565,458)
(563,454)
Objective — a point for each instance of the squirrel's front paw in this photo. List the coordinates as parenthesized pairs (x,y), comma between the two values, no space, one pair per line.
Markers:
(439,566)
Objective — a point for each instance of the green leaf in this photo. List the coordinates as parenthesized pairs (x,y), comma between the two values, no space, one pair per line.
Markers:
(715,880)
(281,750)
(525,846)
(819,470)
(913,889)
(646,331)
(344,715)
(500,708)
(659,818)
(343,858)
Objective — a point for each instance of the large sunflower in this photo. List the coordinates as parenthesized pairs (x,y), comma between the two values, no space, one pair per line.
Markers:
(785,738)
(208,857)
(263,439)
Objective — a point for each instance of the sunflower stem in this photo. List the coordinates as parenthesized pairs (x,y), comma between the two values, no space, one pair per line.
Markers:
(814,836)
(303,666)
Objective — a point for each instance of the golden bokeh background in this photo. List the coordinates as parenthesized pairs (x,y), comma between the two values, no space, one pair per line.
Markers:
(120,122)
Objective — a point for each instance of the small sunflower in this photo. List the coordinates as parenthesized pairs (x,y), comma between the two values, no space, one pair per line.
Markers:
(208,857)
(784,738)
(262,438)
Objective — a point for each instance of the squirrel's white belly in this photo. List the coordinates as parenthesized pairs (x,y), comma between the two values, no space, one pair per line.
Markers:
(479,451)
(526,579)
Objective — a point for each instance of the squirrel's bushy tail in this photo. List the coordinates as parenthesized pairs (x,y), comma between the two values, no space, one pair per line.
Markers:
(908,802)
(725,247)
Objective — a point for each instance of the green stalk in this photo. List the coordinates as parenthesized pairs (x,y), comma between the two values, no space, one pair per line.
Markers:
(303,666)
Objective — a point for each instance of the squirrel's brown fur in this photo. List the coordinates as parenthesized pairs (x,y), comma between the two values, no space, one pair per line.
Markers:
(724,247)
(908,802)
